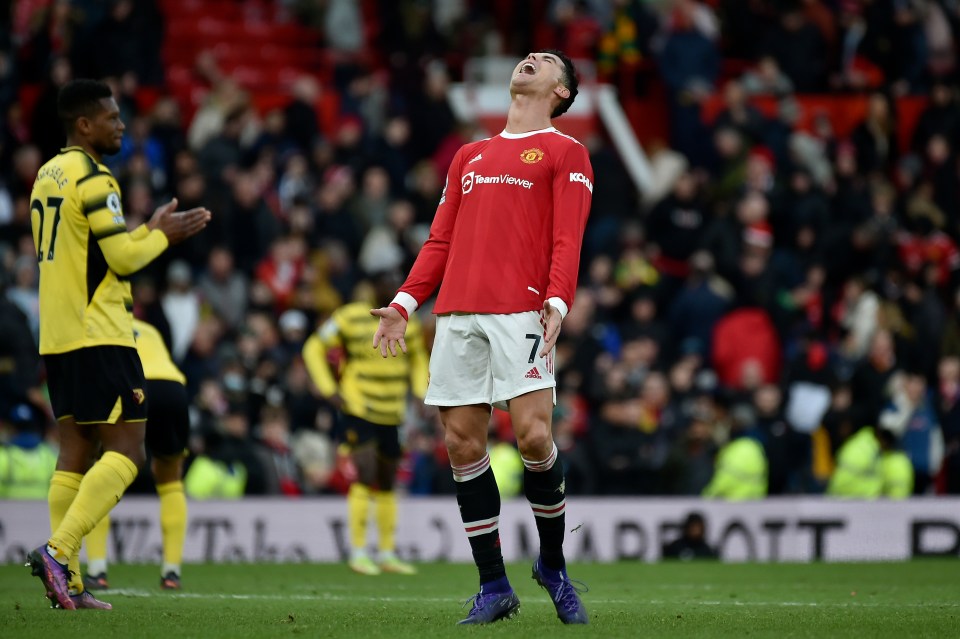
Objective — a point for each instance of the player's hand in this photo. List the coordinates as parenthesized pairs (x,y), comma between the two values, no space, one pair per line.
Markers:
(551,330)
(390,330)
(178,225)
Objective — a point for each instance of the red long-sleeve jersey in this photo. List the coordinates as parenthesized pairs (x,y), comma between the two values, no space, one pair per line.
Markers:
(508,230)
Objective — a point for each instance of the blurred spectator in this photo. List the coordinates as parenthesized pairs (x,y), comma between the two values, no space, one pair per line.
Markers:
(940,117)
(766,79)
(799,49)
(26,461)
(223,288)
(24,293)
(859,316)
(344,26)
(871,378)
(700,305)
(50,137)
(300,115)
(912,420)
(276,456)
(857,475)
(233,448)
(746,349)
(181,305)
(692,542)
(741,466)
(576,27)
(949,415)
(247,225)
(313,452)
(875,137)
(689,468)
(207,478)
(690,63)
(282,270)
(431,117)
(675,228)
(740,114)
(896,470)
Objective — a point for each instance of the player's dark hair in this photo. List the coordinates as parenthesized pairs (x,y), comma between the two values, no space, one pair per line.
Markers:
(80,98)
(569,80)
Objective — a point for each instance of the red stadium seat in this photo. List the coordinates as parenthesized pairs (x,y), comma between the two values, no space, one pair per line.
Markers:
(844,111)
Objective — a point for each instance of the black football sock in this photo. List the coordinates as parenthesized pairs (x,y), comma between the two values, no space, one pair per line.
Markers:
(479,500)
(543,485)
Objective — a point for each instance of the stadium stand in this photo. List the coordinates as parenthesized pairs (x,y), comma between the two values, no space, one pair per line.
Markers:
(791,276)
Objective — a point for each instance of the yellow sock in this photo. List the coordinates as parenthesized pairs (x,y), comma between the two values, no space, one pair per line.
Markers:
(63,490)
(96,541)
(101,489)
(387,519)
(358,509)
(173,524)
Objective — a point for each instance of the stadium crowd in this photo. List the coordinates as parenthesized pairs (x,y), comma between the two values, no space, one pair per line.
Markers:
(785,283)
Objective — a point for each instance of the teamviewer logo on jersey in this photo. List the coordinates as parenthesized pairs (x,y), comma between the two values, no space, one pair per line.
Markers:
(533,373)
(470,179)
(466,183)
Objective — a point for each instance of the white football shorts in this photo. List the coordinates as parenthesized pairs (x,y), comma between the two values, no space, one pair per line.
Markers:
(488,359)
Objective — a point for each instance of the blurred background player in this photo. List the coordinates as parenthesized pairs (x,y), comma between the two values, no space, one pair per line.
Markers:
(85,255)
(372,397)
(168,429)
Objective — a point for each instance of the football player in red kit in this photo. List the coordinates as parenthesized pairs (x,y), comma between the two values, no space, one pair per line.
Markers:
(504,248)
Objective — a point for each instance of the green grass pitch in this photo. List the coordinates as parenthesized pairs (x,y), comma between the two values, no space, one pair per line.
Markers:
(896,600)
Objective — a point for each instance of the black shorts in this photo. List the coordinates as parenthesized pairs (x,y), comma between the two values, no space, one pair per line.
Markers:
(97,385)
(359,432)
(168,418)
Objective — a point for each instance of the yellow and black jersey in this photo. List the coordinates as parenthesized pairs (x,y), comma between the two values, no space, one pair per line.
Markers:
(85,254)
(373,388)
(156,359)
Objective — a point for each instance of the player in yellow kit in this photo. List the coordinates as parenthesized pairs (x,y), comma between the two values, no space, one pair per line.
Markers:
(168,428)
(85,254)
(372,396)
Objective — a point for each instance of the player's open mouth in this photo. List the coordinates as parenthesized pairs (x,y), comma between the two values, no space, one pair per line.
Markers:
(528,68)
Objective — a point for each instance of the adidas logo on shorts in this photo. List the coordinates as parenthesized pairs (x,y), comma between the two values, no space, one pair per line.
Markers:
(533,373)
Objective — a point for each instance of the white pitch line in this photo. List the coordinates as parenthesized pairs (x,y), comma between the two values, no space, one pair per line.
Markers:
(131,592)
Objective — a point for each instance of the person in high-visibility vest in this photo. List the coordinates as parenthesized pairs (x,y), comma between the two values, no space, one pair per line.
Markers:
(212,479)
(26,466)
(740,471)
(896,469)
(857,473)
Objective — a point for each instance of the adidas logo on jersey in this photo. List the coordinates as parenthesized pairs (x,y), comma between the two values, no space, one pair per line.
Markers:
(533,373)
(479,155)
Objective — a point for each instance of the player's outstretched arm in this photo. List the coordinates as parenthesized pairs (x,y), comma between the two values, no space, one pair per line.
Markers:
(390,330)
(178,225)
(128,252)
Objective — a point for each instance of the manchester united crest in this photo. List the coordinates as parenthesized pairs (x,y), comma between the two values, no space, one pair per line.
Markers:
(531,156)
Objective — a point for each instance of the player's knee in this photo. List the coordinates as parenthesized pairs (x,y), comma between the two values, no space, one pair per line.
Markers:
(136,455)
(385,482)
(73,461)
(132,451)
(535,440)
(167,469)
(463,450)
(365,461)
